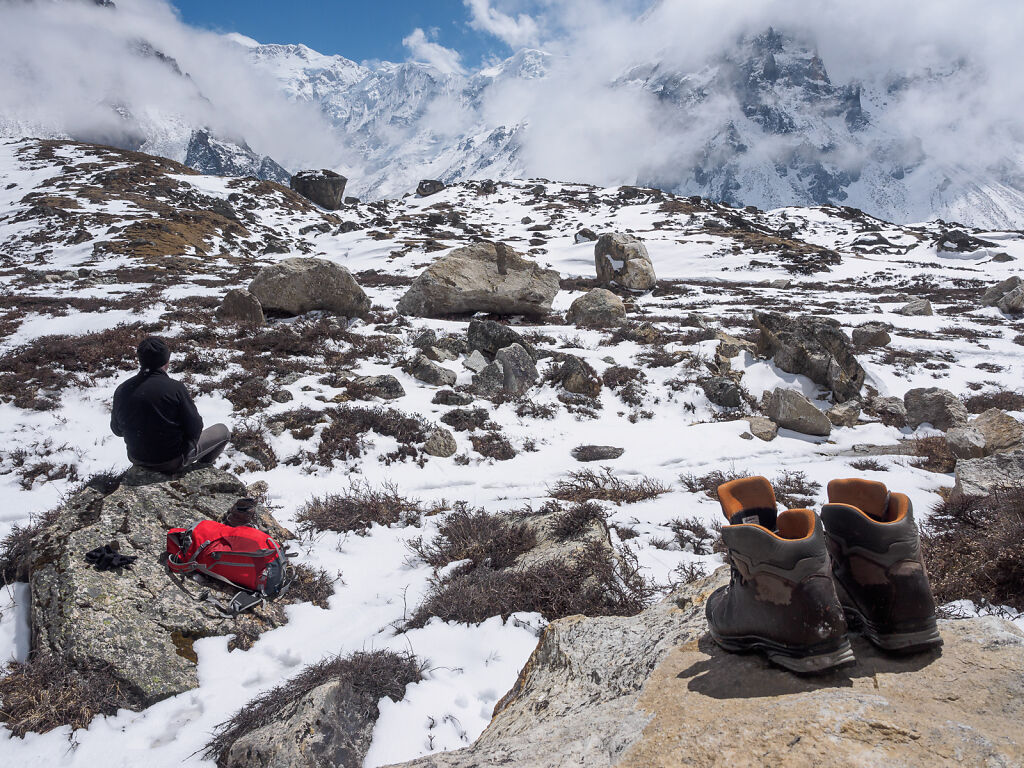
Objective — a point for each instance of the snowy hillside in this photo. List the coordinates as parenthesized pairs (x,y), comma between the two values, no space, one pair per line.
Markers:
(99,247)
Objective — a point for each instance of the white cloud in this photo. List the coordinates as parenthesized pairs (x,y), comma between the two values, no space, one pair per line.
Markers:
(518,31)
(422,48)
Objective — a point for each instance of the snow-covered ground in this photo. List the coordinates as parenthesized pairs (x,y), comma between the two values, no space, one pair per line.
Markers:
(676,431)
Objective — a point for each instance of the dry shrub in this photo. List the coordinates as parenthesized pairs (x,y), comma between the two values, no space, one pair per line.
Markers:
(478,536)
(586,484)
(250,438)
(47,693)
(595,582)
(794,491)
(687,573)
(48,364)
(311,585)
(1003,399)
(576,520)
(933,454)
(692,533)
(974,549)
(493,445)
(869,465)
(16,547)
(357,509)
(529,409)
(468,419)
(370,675)
(342,438)
(246,392)
(708,484)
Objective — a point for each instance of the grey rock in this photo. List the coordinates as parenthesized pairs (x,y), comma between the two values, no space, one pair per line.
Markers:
(425,340)
(1000,430)
(451,397)
(762,428)
(303,284)
(440,442)
(994,293)
(966,442)
(482,277)
(1013,302)
(872,335)
(429,372)
(845,414)
(586,453)
(652,690)
(981,477)
(428,187)
(475,362)
(815,347)
(138,621)
(585,235)
(488,336)
(958,241)
(440,354)
(519,369)
(325,188)
(241,307)
(577,375)
(936,406)
(597,308)
(490,382)
(282,396)
(623,260)
(791,410)
(385,386)
(723,391)
(889,410)
(916,308)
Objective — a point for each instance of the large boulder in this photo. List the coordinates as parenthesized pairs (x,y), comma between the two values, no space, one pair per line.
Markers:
(241,307)
(482,277)
(1000,430)
(623,260)
(916,308)
(815,347)
(966,442)
(325,188)
(791,410)
(429,372)
(872,334)
(597,308)
(305,283)
(723,391)
(576,375)
(676,699)
(936,406)
(982,477)
(138,621)
(428,187)
(995,293)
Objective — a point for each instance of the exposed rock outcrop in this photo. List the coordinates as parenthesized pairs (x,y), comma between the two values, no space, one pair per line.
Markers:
(815,347)
(916,308)
(138,621)
(325,188)
(676,699)
(623,260)
(981,477)
(482,277)
(302,284)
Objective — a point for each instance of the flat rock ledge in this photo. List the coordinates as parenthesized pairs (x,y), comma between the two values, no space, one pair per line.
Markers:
(654,690)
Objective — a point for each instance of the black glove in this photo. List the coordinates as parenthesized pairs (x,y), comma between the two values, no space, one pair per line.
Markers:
(107,557)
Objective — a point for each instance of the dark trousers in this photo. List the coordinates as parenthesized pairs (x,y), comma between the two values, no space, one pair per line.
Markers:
(210,445)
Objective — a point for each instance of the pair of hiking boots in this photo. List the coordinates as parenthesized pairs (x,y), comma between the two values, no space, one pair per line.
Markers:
(799,581)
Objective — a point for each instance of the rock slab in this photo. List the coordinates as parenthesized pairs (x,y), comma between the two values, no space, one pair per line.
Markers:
(623,260)
(325,188)
(676,699)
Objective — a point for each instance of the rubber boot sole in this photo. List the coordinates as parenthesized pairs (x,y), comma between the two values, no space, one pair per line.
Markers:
(920,640)
(803,661)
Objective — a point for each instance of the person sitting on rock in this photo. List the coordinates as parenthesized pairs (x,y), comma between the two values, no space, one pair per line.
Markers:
(161,427)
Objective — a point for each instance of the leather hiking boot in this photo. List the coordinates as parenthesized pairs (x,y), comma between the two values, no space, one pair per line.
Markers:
(781,600)
(876,561)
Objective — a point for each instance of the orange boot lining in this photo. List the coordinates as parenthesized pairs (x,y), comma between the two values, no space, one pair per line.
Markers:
(869,496)
(745,493)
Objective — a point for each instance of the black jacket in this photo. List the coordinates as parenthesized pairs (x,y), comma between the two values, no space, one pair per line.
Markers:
(156,417)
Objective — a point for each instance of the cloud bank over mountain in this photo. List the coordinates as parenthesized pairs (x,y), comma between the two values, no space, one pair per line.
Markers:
(908,110)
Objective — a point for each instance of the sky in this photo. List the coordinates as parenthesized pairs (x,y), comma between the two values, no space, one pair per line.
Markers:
(357,30)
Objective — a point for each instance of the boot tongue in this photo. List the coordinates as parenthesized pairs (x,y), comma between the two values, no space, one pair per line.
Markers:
(763,516)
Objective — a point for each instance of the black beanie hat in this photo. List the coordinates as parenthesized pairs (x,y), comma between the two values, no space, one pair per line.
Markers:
(153,353)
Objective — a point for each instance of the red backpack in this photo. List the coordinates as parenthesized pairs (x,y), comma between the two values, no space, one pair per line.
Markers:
(241,557)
